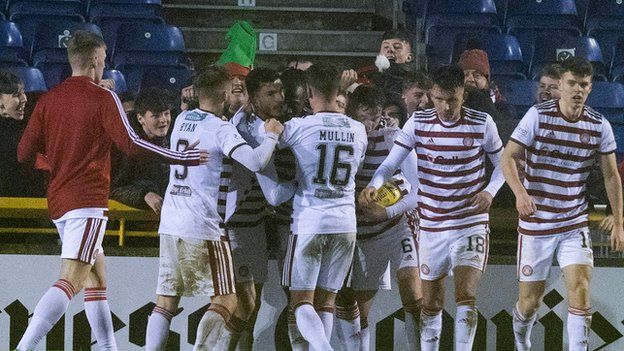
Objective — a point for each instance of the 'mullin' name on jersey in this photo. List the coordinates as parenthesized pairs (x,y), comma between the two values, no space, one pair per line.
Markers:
(334,135)
(188,127)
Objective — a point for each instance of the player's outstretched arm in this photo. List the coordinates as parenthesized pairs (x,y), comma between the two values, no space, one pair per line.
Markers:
(398,153)
(274,191)
(257,159)
(613,185)
(118,127)
(409,168)
(512,153)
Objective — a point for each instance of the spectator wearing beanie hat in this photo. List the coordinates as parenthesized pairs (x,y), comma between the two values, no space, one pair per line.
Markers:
(481,94)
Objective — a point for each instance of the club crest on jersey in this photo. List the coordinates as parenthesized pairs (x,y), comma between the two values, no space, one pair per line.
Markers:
(584,138)
(527,270)
(468,141)
(425,269)
(195,116)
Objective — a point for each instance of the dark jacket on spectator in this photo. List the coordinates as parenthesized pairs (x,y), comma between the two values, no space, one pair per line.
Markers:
(16,179)
(133,177)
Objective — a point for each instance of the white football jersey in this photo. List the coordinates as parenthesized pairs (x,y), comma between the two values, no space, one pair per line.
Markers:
(194,204)
(329,148)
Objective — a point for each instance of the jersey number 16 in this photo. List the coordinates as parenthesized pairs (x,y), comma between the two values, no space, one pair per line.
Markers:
(335,177)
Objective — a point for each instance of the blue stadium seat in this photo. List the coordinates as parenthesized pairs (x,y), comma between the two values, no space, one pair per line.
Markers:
(172,78)
(465,12)
(540,13)
(604,14)
(142,44)
(28,26)
(99,10)
(608,99)
(110,25)
(54,72)
(617,64)
(414,9)
(66,8)
(11,45)
(519,93)
(51,39)
(441,39)
(550,50)
(503,51)
(32,78)
(607,39)
(118,77)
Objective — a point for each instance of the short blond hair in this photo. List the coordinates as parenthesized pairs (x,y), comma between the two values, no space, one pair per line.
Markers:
(82,47)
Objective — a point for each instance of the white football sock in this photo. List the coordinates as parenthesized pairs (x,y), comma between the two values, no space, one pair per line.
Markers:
(211,328)
(522,327)
(327,318)
(412,325)
(311,327)
(364,336)
(349,329)
(430,330)
(579,326)
(297,341)
(100,319)
(466,319)
(158,329)
(49,310)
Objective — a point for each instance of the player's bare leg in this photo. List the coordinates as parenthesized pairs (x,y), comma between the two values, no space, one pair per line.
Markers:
(577,278)
(212,331)
(431,314)
(54,302)
(96,305)
(348,318)
(410,289)
(159,321)
(525,312)
(365,302)
(309,322)
(245,343)
(467,316)
(246,304)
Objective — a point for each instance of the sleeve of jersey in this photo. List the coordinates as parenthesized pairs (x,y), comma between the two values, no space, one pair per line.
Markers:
(274,191)
(409,167)
(32,140)
(406,137)
(524,133)
(253,159)
(389,165)
(493,142)
(118,127)
(287,139)
(607,144)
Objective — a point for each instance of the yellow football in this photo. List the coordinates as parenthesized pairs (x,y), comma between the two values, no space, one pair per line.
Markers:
(388,195)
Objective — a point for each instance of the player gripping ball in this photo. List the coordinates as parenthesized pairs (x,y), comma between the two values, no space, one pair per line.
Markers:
(388,194)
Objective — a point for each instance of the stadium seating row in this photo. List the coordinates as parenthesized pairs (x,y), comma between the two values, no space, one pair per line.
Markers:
(146,53)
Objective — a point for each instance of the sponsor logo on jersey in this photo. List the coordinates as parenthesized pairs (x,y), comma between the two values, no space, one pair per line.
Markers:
(195,116)
(181,190)
(328,194)
(468,141)
(333,121)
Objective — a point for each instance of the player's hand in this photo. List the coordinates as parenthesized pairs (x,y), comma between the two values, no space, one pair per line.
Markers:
(606,225)
(617,238)
(188,94)
(273,126)
(203,153)
(373,212)
(367,196)
(481,202)
(525,205)
(154,201)
(107,83)
(348,77)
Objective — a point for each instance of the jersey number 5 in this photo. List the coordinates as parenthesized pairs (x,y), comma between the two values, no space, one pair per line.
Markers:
(181,146)
(334,177)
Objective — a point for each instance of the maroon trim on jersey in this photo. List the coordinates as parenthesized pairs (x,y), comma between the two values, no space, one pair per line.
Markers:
(377,153)
(518,142)
(396,142)
(452,174)
(451,161)
(448,217)
(559,155)
(566,129)
(537,166)
(495,151)
(552,196)
(442,210)
(552,209)
(554,230)
(455,148)
(566,143)
(429,134)
(607,152)
(554,220)
(391,223)
(464,185)
(450,198)
(234,149)
(456,227)
(550,181)
(363,178)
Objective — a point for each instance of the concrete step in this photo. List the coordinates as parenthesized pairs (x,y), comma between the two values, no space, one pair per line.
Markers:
(187,15)
(290,42)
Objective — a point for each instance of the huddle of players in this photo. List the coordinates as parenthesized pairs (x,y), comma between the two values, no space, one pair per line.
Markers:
(438,162)
(440,152)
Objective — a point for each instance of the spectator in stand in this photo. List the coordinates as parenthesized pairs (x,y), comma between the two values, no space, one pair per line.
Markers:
(548,88)
(394,113)
(16,180)
(238,94)
(416,86)
(140,182)
(482,95)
